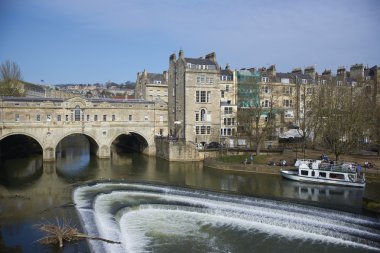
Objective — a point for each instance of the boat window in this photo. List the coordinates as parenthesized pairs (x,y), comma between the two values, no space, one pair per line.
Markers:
(336,176)
(322,174)
(312,173)
(304,172)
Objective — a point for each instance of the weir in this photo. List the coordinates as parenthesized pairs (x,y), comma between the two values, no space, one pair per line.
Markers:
(153,218)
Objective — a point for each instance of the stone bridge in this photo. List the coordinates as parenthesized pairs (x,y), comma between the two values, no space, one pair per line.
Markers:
(102,121)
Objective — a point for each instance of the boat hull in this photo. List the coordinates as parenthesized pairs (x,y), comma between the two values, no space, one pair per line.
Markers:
(293,175)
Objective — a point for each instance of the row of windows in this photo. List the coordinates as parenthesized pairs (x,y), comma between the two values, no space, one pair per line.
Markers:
(203,96)
(227,131)
(229,121)
(265,79)
(226,78)
(202,129)
(74,117)
(204,80)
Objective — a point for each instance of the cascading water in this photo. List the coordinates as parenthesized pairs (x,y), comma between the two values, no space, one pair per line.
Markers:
(154,218)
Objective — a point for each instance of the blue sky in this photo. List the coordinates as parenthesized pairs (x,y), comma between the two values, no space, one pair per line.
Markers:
(89,41)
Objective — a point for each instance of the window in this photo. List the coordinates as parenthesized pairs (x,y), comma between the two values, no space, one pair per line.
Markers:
(227,88)
(309,91)
(104,117)
(287,103)
(202,96)
(229,121)
(227,110)
(202,129)
(48,117)
(322,174)
(304,172)
(287,90)
(129,117)
(264,79)
(113,117)
(95,117)
(265,103)
(77,112)
(304,81)
(324,81)
(266,89)
(337,176)
(157,82)
(38,117)
(88,117)
(203,115)
(59,118)
(146,117)
(66,117)
(222,93)
(204,80)
(17,117)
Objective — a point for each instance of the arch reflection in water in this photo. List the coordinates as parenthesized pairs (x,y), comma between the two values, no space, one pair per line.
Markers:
(153,218)
(73,157)
(21,170)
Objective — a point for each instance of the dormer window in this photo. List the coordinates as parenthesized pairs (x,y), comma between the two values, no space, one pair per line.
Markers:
(284,80)
(264,79)
(157,82)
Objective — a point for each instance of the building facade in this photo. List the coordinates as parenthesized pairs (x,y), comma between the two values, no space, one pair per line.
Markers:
(202,100)
(151,86)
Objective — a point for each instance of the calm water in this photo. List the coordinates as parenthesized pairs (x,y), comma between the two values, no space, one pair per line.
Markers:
(166,207)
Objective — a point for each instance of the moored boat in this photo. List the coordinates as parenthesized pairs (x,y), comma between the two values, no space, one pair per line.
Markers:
(318,171)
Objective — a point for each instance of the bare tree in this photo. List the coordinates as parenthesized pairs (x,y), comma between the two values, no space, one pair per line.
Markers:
(341,115)
(10,77)
(257,118)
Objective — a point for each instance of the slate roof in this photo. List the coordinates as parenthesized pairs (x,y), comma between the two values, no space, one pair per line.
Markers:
(226,72)
(156,77)
(200,61)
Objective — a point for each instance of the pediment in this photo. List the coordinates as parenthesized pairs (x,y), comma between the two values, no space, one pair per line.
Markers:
(72,102)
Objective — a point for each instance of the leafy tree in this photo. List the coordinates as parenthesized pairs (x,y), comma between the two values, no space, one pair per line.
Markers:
(10,79)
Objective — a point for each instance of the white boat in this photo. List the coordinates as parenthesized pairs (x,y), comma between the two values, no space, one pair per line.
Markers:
(318,171)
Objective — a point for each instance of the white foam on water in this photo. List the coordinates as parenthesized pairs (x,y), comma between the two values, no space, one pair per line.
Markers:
(152,205)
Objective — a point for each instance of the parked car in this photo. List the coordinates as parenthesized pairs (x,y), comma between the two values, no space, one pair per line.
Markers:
(213,145)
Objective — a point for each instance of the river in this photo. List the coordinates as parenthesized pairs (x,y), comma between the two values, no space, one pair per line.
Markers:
(204,209)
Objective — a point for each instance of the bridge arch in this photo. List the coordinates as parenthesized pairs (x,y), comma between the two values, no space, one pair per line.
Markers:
(94,145)
(19,143)
(131,140)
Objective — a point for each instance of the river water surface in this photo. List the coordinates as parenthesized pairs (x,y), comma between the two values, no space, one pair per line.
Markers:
(151,205)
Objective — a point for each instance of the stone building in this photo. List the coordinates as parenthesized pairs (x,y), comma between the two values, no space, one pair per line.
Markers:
(151,86)
(228,107)
(194,98)
(275,97)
